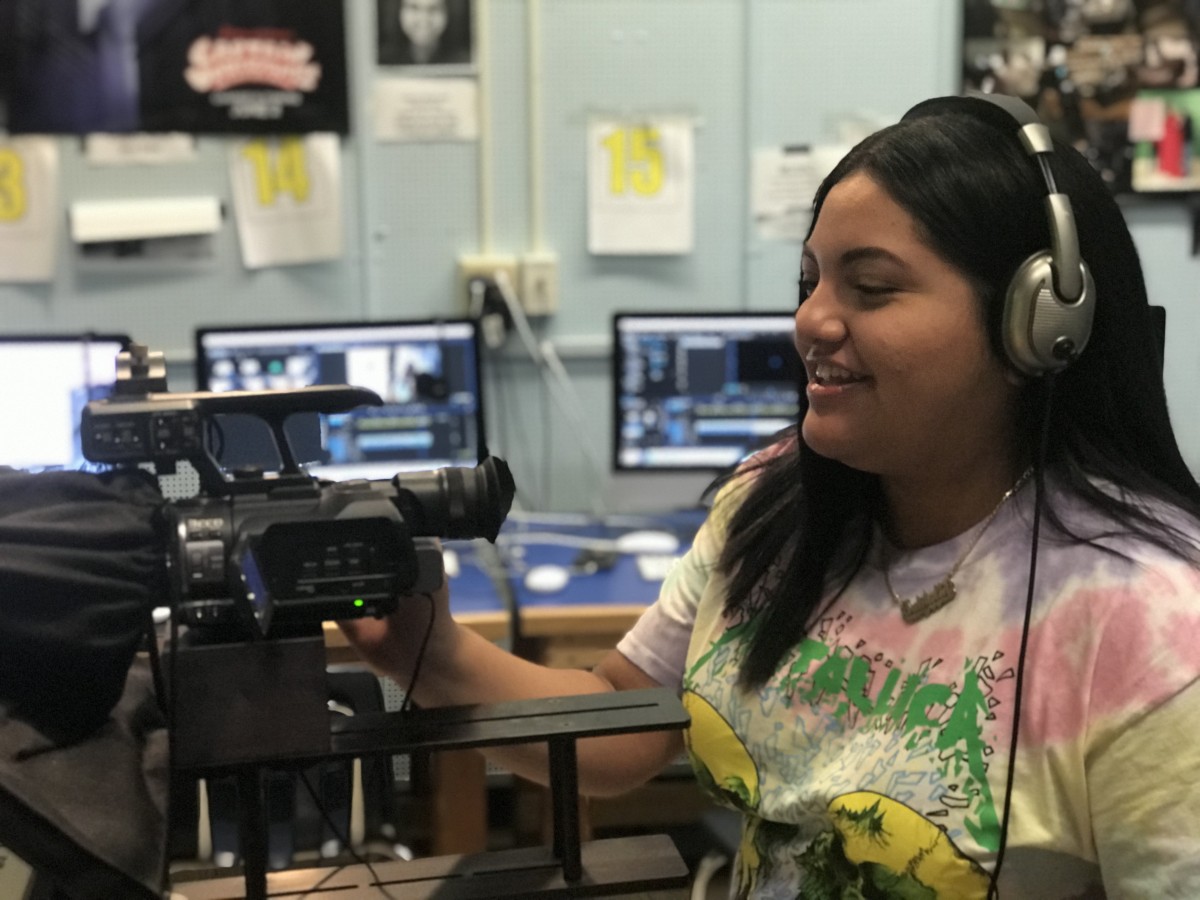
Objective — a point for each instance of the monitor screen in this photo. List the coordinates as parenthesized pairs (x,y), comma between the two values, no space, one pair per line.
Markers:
(700,392)
(426,372)
(45,381)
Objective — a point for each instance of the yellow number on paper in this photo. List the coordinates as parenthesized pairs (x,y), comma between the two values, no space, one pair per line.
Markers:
(13,198)
(636,161)
(284,171)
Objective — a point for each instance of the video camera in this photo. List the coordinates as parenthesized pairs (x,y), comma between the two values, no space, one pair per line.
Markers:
(260,554)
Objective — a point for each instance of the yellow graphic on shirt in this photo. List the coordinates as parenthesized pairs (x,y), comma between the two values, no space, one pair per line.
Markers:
(724,768)
(894,852)
(718,755)
(876,845)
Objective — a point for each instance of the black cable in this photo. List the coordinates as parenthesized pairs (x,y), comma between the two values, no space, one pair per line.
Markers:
(500,380)
(406,705)
(544,481)
(1039,482)
(343,839)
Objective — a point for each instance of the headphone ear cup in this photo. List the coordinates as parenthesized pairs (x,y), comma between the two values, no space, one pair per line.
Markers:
(1041,331)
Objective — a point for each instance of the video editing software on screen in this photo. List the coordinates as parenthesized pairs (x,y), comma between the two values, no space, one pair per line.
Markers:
(426,372)
(700,391)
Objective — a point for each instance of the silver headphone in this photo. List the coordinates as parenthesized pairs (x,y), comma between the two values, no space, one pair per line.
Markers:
(1050,301)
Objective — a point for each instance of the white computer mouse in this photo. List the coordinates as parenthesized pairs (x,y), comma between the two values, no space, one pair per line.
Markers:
(647,541)
(450,563)
(547,578)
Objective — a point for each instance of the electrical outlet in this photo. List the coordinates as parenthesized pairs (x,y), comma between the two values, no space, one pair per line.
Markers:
(484,267)
(539,283)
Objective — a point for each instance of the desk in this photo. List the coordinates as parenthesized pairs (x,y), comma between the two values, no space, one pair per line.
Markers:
(594,604)
(573,627)
(577,626)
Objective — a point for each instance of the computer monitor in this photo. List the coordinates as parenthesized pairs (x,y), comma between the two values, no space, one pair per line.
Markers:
(699,392)
(427,372)
(45,381)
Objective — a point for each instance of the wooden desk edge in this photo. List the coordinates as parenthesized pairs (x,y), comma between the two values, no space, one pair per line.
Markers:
(536,622)
(567,620)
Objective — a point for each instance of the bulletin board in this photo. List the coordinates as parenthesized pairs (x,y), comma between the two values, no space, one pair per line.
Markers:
(1118,79)
(198,66)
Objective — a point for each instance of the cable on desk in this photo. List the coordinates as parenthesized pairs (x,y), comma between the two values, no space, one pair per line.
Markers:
(555,539)
(328,819)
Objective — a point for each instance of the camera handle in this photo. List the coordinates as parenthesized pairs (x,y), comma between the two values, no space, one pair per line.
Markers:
(137,426)
(288,464)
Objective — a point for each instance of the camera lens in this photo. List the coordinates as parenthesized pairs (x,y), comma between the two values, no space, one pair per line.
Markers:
(456,502)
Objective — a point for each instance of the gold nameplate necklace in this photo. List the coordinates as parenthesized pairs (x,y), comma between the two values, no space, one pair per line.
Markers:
(924,605)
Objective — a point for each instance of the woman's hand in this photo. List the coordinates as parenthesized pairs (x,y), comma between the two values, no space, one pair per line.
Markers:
(391,644)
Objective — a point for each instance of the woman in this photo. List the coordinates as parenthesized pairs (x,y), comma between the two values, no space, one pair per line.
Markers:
(849,628)
(424,32)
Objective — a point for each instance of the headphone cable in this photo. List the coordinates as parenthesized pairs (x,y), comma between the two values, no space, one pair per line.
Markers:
(1039,492)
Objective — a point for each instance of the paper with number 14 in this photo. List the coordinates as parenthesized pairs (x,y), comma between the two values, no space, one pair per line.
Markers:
(287,196)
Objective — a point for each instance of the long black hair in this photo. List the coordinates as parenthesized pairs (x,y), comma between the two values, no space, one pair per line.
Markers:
(977,199)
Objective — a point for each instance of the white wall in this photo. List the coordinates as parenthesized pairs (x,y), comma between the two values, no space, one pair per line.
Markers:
(752,73)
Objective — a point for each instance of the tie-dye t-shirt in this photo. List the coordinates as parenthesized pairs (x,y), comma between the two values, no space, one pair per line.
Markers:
(874,763)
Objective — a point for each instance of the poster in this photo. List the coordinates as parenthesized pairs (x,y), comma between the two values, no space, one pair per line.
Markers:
(434,33)
(197,66)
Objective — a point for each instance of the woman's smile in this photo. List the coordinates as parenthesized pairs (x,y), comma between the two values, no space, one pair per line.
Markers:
(828,380)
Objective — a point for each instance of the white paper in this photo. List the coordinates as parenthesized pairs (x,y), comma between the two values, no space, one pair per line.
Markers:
(28,208)
(641,186)
(784,182)
(287,199)
(426,109)
(152,217)
(139,149)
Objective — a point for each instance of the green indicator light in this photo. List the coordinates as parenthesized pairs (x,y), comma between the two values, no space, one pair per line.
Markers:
(359,602)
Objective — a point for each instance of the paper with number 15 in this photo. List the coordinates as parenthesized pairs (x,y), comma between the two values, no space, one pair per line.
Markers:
(640,186)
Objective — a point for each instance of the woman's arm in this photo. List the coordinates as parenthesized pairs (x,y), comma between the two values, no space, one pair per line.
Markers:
(461,667)
(1145,803)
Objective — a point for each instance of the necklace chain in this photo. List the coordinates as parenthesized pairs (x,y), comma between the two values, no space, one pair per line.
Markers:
(926,604)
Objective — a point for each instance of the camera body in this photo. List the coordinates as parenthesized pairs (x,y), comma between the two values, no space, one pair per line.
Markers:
(293,557)
(260,554)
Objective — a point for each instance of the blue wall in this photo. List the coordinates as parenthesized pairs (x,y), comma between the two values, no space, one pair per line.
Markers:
(752,73)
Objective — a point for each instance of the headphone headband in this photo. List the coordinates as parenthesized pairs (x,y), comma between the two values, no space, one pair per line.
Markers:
(1049,303)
